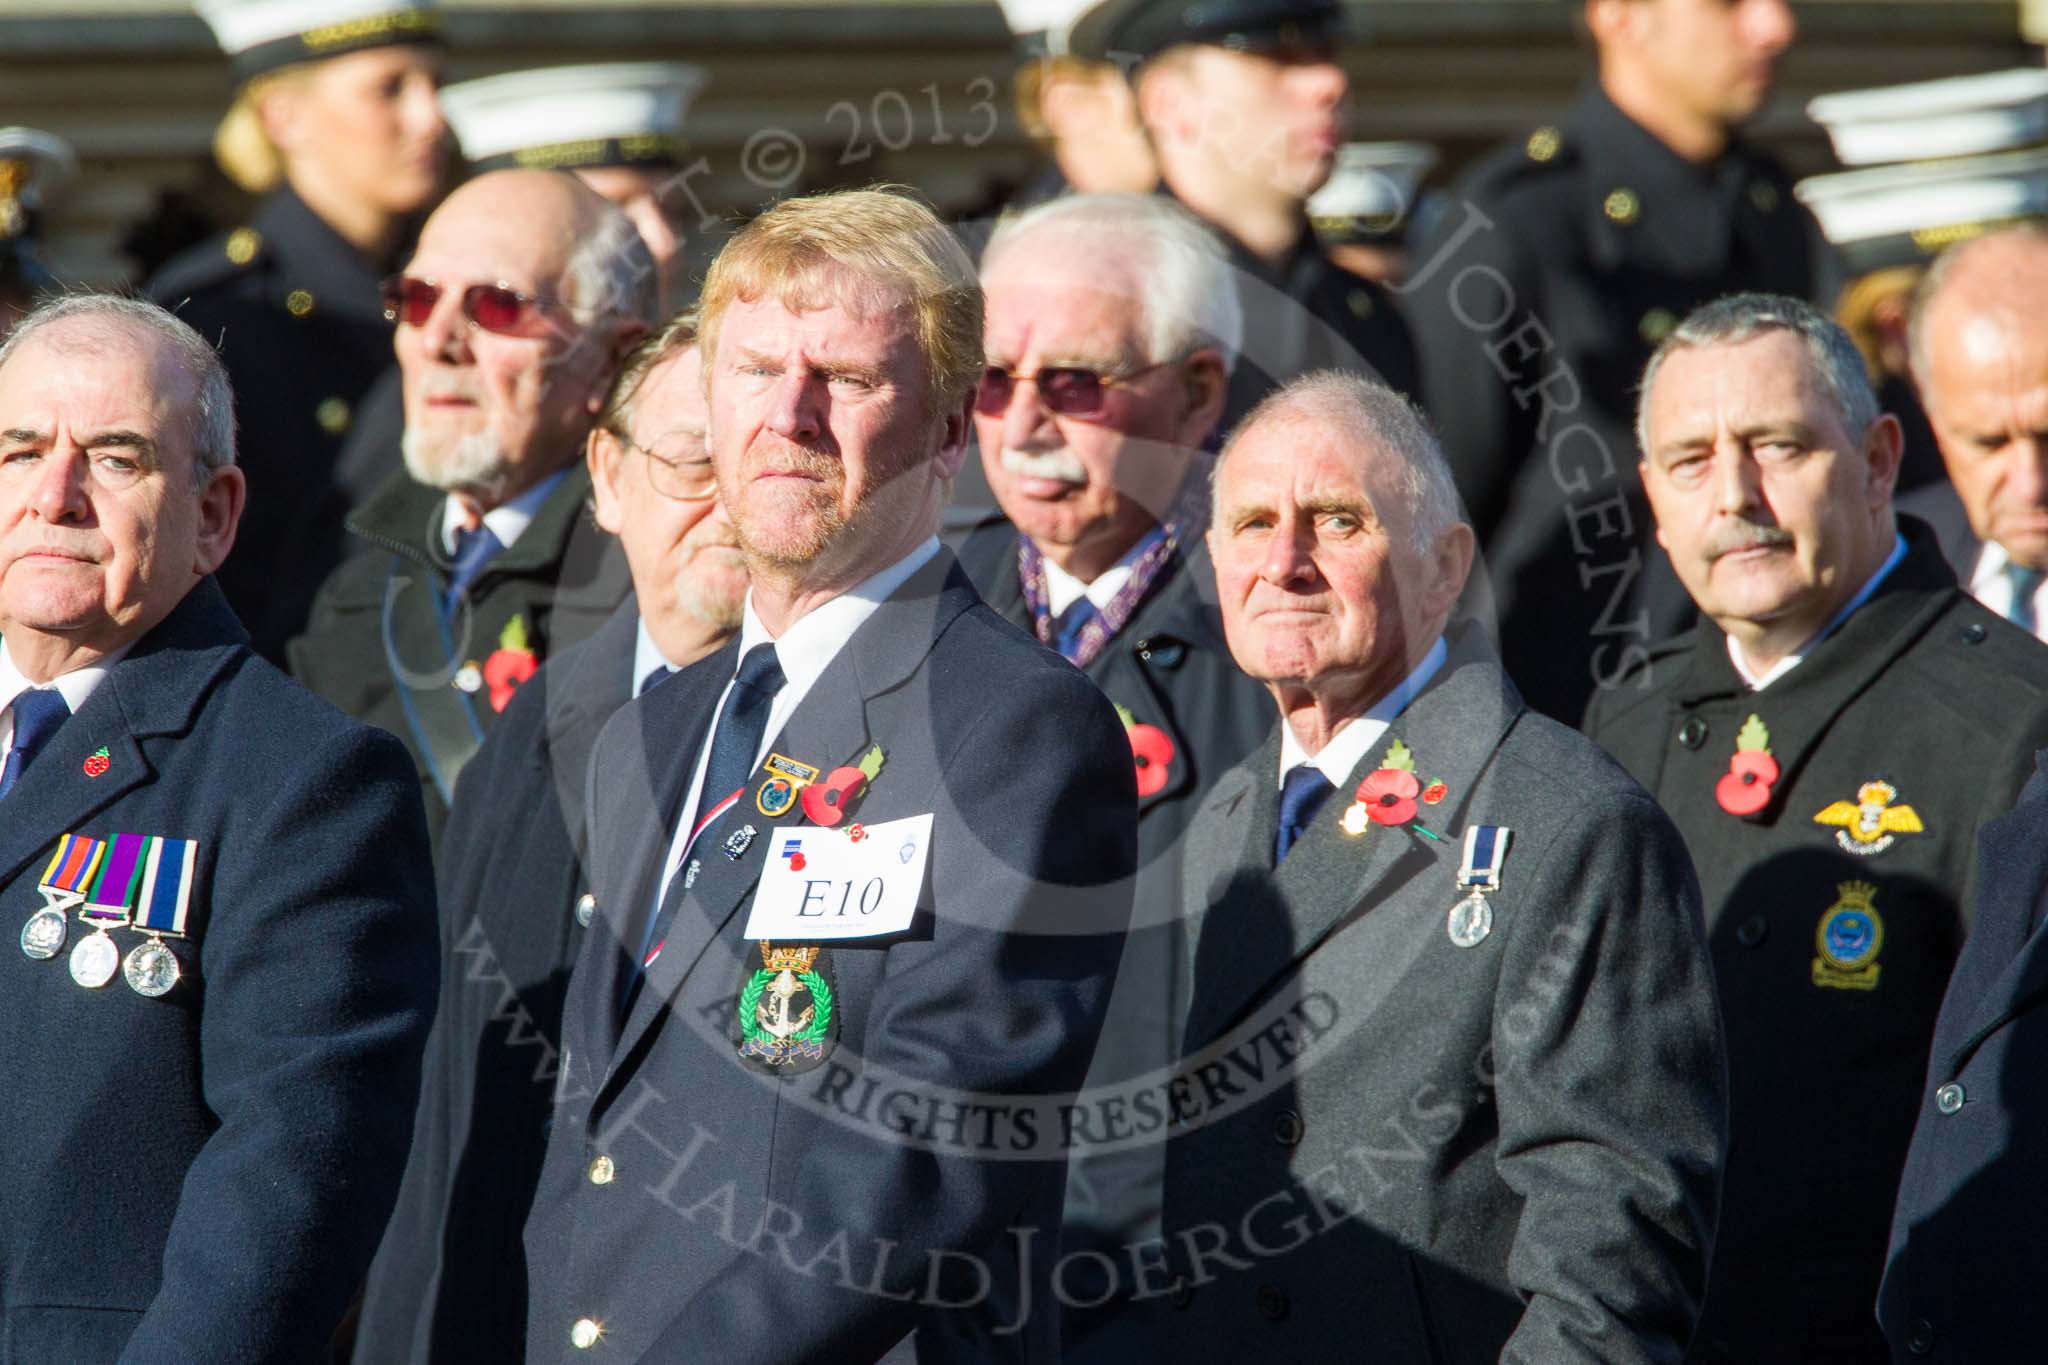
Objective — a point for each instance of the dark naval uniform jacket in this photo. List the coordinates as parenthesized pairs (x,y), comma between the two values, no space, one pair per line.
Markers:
(908,1176)
(1536,303)
(1967,1262)
(376,646)
(1835,910)
(1394,1144)
(1171,669)
(203,1175)
(299,321)
(449,1283)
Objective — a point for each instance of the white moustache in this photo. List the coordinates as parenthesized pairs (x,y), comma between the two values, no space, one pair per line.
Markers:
(1062,465)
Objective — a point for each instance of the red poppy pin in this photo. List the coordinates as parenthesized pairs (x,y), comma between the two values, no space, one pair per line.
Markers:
(1389,793)
(510,664)
(1151,750)
(97,764)
(826,802)
(1745,788)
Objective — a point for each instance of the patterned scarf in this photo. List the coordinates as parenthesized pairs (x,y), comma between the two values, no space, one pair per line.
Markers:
(1188,512)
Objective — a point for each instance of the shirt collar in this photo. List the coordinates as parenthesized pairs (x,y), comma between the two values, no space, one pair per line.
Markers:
(1792,660)
(76,687)
(808,645)
(647,657)
(1062,589)
(1353,742)
(508,521)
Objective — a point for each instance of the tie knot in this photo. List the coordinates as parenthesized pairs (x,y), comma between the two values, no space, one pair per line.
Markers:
(760,670)
(2024,579)
(38,712)
(1305,783)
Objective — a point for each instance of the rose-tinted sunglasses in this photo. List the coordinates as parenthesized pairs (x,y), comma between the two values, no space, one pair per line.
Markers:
(1066,390)
(493,307)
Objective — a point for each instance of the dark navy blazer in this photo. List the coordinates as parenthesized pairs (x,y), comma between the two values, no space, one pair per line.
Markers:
(1968,1258)
(203,1176)
(667,1152)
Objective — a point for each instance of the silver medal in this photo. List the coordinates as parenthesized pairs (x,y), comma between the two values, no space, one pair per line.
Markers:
(43,935)
(1471,921)
(95,960)
(151,968)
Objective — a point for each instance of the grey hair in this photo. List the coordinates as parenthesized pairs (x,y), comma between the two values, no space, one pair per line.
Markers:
(611,271)
(210,425)
(1936,279)
(1184,286)
(1738,318)
(1370,413)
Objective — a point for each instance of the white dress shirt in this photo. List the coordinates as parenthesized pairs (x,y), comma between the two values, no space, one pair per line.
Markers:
(1355,740)
(1758,682)
(647,657)
(75,687)
(804,650)
(1990,586)
(1062,589)
(507,522)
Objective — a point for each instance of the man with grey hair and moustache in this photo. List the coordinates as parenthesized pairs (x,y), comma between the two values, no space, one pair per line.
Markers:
(1111,325)
(449,1283)
(1829,738)
(526,292)
(1503,1139)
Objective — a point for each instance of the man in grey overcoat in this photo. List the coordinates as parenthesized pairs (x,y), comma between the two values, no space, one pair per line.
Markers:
(1453,1086)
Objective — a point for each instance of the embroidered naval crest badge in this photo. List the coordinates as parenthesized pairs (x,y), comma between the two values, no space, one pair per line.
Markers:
(786,1012)
(1848,940)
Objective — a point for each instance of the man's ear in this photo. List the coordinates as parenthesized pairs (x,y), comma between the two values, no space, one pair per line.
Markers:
(959,428)
(1884,447)
(1205,384)
(1163,98)
(220,512)
(280,112)
(604,453)
(1450,566)
(1643,475)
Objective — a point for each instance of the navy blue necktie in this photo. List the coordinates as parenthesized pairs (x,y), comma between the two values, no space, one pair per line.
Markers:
(742,725)
(37,714)
(1067,632)
(473,550)
(2025,583)
(1301,796)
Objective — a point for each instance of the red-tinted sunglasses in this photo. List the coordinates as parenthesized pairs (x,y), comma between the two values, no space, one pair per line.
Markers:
(493,307)
(1066,390)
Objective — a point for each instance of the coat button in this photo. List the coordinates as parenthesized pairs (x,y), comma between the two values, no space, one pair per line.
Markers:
(1182,1293)
(584,1334)
(1287,1129)
(1920,1337)
(1972,634)
(1693,733)
(602,1172)
(1753,931)
(1949,1098)
(1272,1303)
(586,909)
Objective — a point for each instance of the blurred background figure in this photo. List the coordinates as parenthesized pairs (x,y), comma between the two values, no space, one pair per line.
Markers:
(1079,111)
(1569,255)
(1365,214)
(1981,358)
(1245,104)
(1932,164)
(337,126)
(617,125)
(31,162)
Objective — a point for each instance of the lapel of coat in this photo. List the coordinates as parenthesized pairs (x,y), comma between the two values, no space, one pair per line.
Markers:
(2012,874)
(155,690)
(828,729)
(1330,877)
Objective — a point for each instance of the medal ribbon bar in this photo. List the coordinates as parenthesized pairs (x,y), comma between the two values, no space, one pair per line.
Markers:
(114,890)
(1486,848)
(167,887)
(72,867)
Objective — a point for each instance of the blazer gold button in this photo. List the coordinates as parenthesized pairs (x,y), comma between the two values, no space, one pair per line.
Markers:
(299,303)
(1693,733)
(584,1334)
(1622,207)
(586,909)
(602,1172)
(1949,1098)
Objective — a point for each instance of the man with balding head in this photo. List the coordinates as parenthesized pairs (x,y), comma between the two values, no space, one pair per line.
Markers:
(526,292)
(1981,361)
(221,885)
(1452,1081)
